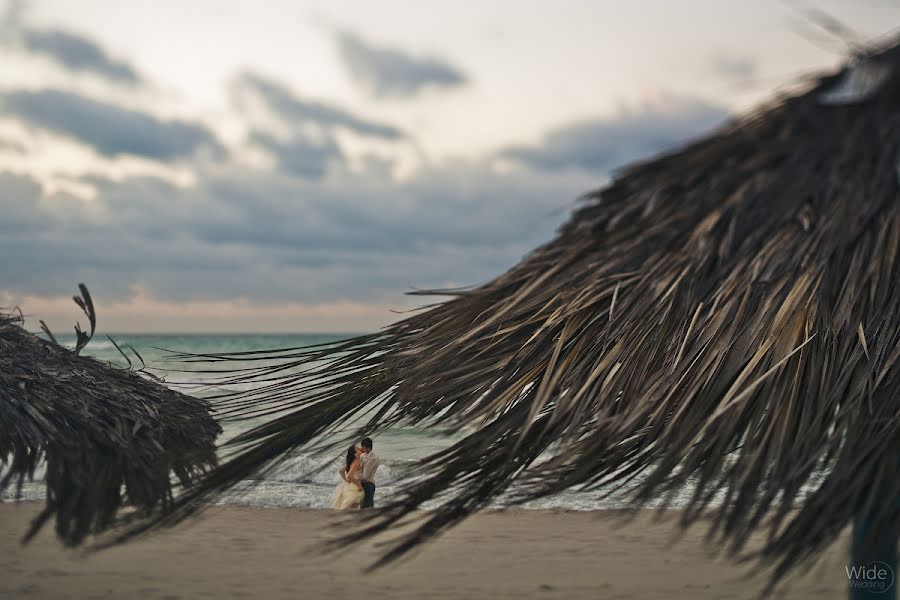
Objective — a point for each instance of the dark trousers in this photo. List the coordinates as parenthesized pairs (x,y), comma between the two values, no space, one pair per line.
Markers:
(368,495)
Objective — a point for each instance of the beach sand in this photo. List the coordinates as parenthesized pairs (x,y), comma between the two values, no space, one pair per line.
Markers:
(236,552)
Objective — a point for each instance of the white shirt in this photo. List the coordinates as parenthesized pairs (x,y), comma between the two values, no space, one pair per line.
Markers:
(369,466)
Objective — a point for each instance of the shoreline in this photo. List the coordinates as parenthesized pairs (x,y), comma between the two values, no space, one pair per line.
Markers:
(269,552)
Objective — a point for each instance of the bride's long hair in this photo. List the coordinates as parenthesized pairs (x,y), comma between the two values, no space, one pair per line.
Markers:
(351,456)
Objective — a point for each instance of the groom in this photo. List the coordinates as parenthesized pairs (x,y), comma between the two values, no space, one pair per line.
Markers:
(369,462)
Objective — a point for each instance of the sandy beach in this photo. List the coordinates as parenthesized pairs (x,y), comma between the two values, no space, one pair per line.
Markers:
(236,552)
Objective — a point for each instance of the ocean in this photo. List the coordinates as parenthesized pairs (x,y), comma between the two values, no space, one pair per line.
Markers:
(304,480)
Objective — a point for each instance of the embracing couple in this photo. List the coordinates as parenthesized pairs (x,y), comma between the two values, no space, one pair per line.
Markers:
(357,490)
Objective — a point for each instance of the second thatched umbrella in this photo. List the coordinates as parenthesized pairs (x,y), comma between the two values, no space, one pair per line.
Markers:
(723,320)
(108,437)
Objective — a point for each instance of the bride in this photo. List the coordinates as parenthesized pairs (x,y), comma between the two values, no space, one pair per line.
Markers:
(349,492)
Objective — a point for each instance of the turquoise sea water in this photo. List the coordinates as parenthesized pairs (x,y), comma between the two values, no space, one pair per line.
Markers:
(304,479)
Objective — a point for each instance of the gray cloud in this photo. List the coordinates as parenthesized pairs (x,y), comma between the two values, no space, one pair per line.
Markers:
(270,237)
(325,235)
(110,129)
(388,72)
(296,111)
(299,155)
(12,146)
(604,144)
(12,18)
(734,67)
(77,53)
(20,212)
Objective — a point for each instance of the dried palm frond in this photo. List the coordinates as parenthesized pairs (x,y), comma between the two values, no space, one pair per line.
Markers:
(724,319)
(108,437)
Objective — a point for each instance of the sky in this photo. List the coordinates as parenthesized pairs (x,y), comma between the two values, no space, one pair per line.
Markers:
(286,166)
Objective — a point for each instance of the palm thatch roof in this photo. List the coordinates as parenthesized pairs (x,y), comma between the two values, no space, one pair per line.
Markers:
(723,319)
(100,430)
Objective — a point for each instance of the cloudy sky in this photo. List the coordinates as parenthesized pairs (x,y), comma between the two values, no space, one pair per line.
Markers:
(297,166)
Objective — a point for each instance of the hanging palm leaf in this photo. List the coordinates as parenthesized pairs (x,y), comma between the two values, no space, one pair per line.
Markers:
(107,437)
(724,319)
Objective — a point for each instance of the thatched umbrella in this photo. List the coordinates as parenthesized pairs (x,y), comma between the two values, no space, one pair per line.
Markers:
(724,319)
(100,430)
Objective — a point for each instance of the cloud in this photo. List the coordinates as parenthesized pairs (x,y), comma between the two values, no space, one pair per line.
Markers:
(20,212)
(77,53)
(12,146)
(11,21)
(295,111)
(272,238)
(71,50)
(311,231)
(300,155)
(109,129)
(388,72)
(734,67)
(601,145)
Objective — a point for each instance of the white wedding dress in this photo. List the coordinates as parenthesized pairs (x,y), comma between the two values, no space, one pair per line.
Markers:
(346,496)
